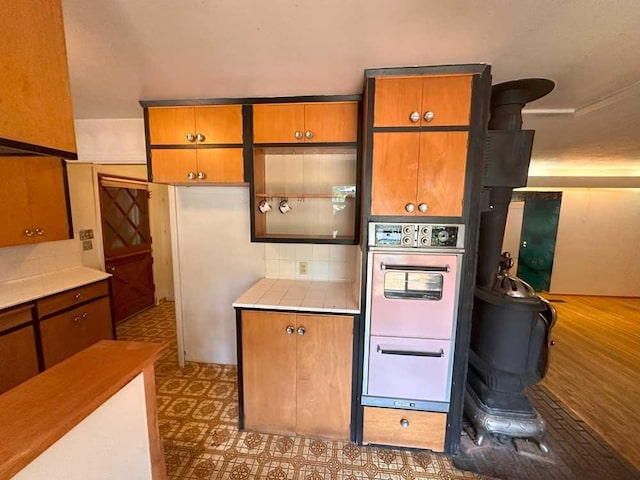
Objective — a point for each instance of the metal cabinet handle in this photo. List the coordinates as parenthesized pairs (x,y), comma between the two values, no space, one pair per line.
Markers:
(76,319)
(404,423)
(410,207)
(112,269)
(200,137)
(191,176)
(77,296)
(415,268)
(414,117)
(28,233)
(301,331)
(84,315)
(39,231)
(298,134)
(423,207)
(410,353)
(309,134)
(190,137)
(428,116)
(290,330)
(201,175)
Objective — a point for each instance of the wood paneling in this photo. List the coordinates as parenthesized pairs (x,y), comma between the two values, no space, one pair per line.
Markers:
(424,429)
(278,123)
(34,92)
(69,298)
(324,376)
(331,122)
(12,317)
(443,157)
(219,123)
(395,169)
(269,372)
(15,213)
(170,125)
(395,99)
(221,165)
(18,358)
(67,333)
(173,166)
(595,364)
(448,97)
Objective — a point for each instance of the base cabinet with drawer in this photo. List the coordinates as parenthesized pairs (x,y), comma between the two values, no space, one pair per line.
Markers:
(18,354)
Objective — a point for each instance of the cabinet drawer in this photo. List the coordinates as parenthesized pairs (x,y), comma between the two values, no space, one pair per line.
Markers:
(15,316)
(76,296)
(18,358)
(421,429)
(67,333)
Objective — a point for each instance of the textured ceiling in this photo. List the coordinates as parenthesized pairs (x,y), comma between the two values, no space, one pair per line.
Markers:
(121,51)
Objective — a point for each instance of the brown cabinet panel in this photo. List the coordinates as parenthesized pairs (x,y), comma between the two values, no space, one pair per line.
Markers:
(441,175)
(221,165)
(174,166)
(395,99)
(405,428)
(448,98)
(219,123)
(394,173)
(324,359)
(15,212)
(67,333)
(278,123)
(69,298)
(269,372)
(18,358)
(170,125)
(331,122)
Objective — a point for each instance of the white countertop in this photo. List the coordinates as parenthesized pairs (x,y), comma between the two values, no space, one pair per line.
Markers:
(300,295)
(27,289)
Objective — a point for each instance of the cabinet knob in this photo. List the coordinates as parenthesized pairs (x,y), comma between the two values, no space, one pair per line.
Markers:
(76,319)
(28,233)
(39,231)
(201,175)
(77,296)
(309,134)
(112,269)
(428,116)
(414,117)
(410,207)
(301,331)
(404,423)
(290,329)
(200,137)
(423,207)
(190,137)
(191,176)
(298,134)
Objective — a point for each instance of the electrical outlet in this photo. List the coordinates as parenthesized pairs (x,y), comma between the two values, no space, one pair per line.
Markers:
(302,268)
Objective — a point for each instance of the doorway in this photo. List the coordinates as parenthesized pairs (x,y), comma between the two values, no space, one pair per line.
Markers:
(126,237)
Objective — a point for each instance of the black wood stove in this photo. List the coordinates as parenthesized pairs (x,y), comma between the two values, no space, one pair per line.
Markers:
(511,326)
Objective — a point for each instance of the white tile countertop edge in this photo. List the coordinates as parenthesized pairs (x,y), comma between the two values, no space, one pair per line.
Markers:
(27,289)
(300,295)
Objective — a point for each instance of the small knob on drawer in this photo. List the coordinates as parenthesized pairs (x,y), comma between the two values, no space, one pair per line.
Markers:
(77,296)
(298,134)
(410,207)
(190,137)
(201,175)
(428,116)
(28,233)
(404,423)
(414,117)
(200,137)
(423,207)
(191,176)
(301,330)
(290,329)
(309,134)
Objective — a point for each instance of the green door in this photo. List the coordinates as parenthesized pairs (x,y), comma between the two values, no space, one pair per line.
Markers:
(538,238)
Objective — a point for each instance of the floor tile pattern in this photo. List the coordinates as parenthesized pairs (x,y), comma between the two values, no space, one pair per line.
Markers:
(198,417)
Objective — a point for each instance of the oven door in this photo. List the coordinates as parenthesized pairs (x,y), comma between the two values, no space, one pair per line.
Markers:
(413,295)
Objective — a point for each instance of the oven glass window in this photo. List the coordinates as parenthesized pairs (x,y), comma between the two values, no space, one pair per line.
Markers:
(413,285)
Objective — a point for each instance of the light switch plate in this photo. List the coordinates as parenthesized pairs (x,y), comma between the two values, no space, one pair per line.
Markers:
(86,235)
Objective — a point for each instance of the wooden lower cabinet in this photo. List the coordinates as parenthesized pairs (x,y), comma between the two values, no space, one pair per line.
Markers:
(18,355)
(296,373)
(404,428)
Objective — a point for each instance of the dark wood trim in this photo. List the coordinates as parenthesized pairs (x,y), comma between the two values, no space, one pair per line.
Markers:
(247,146)
(460,69)
(356,379)
(439,128)
(15,328)
(67,197)
(196,147)
(316,240)
(249,100)
(29,148)
(416,219)
(112,309)
(239,362)
(147,143)
(306,145)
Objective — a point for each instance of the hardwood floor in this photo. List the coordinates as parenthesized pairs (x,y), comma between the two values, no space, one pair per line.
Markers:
(595,366)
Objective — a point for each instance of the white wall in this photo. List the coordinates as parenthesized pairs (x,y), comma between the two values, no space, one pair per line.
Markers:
(118,140)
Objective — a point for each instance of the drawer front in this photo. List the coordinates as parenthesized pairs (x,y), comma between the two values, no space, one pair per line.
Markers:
(18,357)
(404,428)
(76,296)
(15,316)
(409,368)
(67,333)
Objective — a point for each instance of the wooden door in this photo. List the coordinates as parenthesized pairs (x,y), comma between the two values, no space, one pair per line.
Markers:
(219,123)
(15,214)
(126,237)
(396,98)
(170,125)
(443,157)
(448,98)
(278,123)
(221,165)
(331,122)
(269,372)
(394,172)
(47,198)
(174,166)
(324,361)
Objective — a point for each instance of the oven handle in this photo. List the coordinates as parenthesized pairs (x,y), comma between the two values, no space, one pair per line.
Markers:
(411,353)
(414,268)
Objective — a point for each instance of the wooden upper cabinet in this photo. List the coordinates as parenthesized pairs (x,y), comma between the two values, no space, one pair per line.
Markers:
(305,122)
(202,125)
(15,213)
(432,100)
(205,165)
(34,92)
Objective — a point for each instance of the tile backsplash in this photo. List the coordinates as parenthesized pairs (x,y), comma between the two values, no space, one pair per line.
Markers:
(323,262)
(28,260)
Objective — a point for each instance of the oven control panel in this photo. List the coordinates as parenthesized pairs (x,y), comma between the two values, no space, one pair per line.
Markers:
(416,235)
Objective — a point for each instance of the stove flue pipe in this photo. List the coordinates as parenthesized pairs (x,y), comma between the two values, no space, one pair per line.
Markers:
(507,102)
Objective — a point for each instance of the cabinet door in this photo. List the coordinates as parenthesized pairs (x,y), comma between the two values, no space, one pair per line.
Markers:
(66,334)
(15,214)
(173,166)
(443,157)
(278,123)
(448,98)
(331,122)
(47,199)
(170,125)
(396,98)
(219,123)
(324,360)
(18,358)
(394,172)
(269,372)
(221,165)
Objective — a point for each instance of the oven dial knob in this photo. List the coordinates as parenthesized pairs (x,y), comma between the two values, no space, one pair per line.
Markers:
(424,231)
(407,230)
(424,241)
(406,240)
